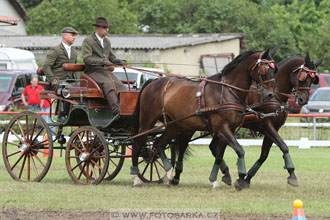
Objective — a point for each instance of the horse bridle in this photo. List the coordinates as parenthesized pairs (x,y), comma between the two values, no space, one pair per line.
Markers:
(300,69)
(270,64)
(311,73)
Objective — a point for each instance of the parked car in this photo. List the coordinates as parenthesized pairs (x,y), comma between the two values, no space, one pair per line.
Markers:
(324,81)
(17,59)
(139,77)
(319,103)
(12,84)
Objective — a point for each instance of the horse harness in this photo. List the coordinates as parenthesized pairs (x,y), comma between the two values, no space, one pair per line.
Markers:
(201,107)
(300,77)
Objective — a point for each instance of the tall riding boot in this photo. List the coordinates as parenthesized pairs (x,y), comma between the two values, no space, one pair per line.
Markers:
(112,100)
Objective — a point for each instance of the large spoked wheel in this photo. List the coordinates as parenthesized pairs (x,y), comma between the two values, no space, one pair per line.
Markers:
(87,156)
(116,160)
(151,166)
(27,147)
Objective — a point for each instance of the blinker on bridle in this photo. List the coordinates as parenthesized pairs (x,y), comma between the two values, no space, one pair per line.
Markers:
(311,73)
(263,61)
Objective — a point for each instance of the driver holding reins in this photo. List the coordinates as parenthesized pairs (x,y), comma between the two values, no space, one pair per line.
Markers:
(97,56)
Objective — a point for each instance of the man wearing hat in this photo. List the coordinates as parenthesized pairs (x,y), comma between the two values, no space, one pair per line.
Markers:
(56,57)
(60,54)
(97,56)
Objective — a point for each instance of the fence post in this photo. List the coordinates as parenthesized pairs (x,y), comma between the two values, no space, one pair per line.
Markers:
(314,127)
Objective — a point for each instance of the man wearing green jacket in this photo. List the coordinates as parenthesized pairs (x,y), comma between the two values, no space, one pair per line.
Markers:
(97,56)
(60,54)
(56,57)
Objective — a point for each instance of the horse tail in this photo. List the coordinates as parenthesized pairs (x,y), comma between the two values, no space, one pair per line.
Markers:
(136,122)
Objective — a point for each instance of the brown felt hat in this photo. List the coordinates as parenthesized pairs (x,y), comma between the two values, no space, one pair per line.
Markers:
(101,21)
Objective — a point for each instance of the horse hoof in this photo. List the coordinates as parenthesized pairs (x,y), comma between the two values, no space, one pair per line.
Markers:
(215,185)
(226,180)
(137,185)
(136,181)
(246,184)
(175,182)
(293,182)
(166,180)
(240,184)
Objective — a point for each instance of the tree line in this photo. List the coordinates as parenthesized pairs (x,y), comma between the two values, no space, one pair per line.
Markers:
(295,26)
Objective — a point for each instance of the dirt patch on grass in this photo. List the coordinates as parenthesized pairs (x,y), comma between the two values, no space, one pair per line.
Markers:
(81,215)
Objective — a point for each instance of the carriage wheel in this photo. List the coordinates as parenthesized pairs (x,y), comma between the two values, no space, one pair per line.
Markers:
(87,156)
(151,166)
(115,162)
(27,147)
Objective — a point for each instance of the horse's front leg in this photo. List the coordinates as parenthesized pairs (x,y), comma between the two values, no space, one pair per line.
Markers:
(136,151)
(169,133)
(266,145)
(229,138)
(180,144)
(226,178)
(218,152)
(272,133)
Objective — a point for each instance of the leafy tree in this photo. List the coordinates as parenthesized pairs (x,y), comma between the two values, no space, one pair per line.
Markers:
(50,17)
(30,3)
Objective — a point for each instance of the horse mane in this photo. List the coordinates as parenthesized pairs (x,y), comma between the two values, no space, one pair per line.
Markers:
(290,58)
(233,64)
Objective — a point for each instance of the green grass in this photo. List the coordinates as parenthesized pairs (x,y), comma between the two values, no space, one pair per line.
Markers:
(269,192)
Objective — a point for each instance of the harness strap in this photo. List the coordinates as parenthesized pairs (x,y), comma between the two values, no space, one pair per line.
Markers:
(163,100)
(211,109)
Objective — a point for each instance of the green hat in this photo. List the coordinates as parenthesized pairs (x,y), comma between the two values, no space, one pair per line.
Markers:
(69,30)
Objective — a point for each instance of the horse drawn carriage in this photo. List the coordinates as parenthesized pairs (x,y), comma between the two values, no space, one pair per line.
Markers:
(96,148)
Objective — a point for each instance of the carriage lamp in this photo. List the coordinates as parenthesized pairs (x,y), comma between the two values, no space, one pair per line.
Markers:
(65,93)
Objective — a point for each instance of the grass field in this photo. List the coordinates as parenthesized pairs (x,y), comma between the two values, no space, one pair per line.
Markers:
(269,192)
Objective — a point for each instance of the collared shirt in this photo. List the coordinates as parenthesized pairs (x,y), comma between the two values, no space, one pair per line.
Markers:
(67,48)
(32,94)
(100,39)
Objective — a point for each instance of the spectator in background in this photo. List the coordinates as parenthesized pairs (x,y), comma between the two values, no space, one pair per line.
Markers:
(45,107)
(32,92)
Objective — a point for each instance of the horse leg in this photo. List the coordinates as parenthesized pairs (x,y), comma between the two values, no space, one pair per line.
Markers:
(162,141)
(136,151)
(223,166)
(181,143)
(266,145)
(272,133)
(218,153)
(230,139)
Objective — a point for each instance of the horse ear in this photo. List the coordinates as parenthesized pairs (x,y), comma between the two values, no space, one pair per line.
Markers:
(319,62)
(307,59)
(273,51)
(265,55)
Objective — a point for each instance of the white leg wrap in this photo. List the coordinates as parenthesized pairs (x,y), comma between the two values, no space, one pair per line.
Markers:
(169,174)
(215,185)
(168,177)
(136,181)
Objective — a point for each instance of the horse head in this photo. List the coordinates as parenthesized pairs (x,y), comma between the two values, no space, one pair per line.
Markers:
(263,74)
(303,77)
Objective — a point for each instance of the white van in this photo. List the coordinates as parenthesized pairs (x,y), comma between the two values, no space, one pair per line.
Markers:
(139,77)
(17,59)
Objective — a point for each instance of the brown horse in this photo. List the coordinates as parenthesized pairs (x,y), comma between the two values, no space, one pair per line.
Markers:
(188,106)
(296,73)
